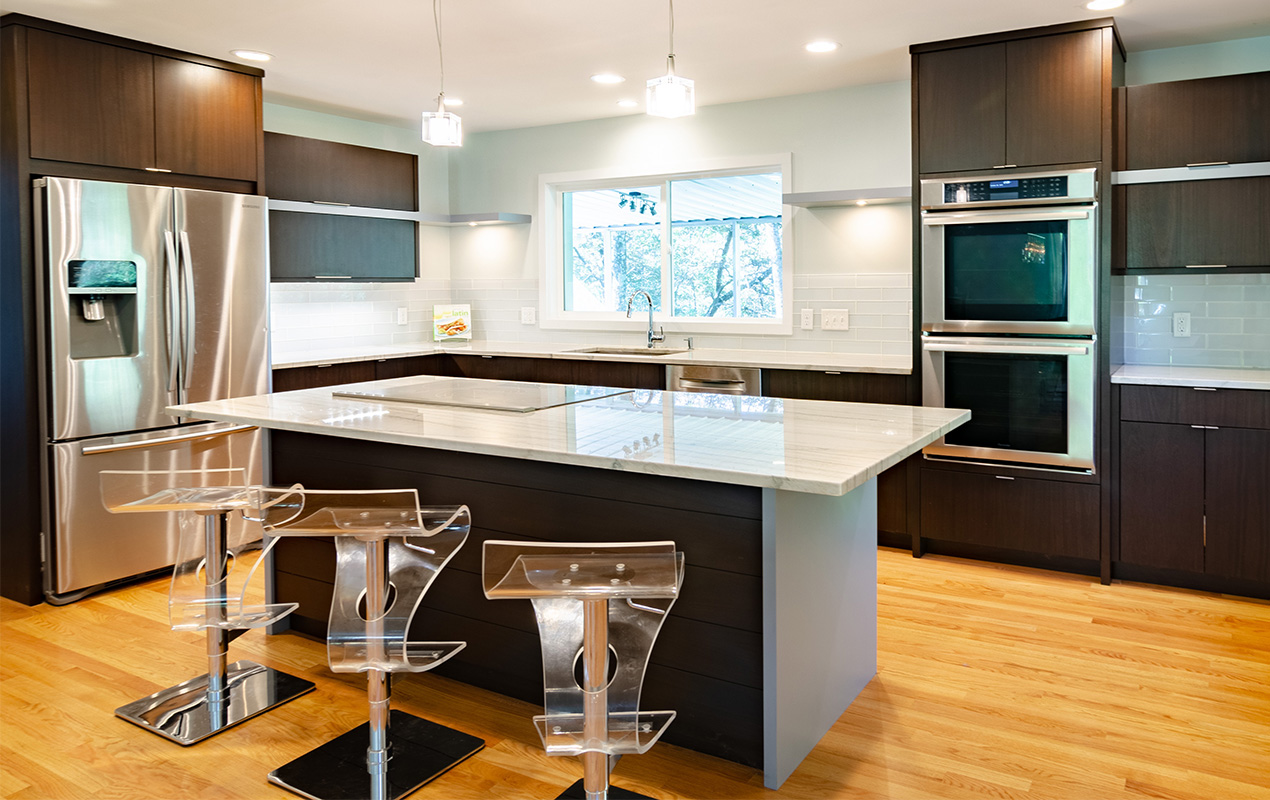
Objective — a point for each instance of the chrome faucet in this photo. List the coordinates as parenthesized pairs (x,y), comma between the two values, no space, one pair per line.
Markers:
(653,336)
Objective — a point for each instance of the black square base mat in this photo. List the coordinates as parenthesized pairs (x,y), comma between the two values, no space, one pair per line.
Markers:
(577,792)
(421,750)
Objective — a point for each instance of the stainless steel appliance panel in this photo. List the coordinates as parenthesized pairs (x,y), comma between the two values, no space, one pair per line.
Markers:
(222,241)
(1018,405)
(108,343)
(91,546)
(1075,279)
(718,380)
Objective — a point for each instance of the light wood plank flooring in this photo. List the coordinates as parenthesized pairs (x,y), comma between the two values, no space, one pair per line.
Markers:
(993,682)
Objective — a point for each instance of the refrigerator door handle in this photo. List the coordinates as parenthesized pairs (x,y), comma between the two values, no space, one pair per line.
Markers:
(180,437)
(188,315)
(171,308)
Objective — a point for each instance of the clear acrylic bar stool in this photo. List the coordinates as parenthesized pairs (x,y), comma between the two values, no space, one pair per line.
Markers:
(208,592)
(599,609)
(388,551)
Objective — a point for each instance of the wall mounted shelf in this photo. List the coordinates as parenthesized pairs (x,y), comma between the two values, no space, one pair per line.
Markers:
(849,197)
(1195,172)
(421,217)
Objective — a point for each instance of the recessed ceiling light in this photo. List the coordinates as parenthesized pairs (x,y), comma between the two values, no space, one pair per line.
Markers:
(454,101)
(1103,5)
(251,55)
(607,77)
(627,103)
(821,46)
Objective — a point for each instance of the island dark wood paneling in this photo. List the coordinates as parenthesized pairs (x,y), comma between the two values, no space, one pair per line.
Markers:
(1237,504)
(850,387)
(708,662)
(1239,408)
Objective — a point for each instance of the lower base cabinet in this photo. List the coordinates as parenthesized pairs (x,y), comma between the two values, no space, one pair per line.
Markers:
(1049,518)
(1196,499)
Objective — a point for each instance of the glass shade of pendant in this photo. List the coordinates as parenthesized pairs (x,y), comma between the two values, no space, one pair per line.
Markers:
(670,96)
(442,128)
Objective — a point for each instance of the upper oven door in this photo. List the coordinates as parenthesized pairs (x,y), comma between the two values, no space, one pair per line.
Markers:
(1010,271)
(1031,401)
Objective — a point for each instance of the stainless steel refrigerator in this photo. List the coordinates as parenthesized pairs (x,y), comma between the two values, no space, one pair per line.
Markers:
(151,296)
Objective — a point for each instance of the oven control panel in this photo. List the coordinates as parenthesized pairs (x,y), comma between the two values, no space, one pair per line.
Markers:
(1032,189)
(1005,189)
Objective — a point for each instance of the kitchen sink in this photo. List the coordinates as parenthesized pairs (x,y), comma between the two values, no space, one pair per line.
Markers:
(631,351)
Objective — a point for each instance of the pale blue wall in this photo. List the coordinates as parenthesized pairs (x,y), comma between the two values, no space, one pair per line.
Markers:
(1198,61)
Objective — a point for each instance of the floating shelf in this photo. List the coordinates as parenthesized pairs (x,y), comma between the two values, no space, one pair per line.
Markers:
(849,197)
(1195,172)
(421,217)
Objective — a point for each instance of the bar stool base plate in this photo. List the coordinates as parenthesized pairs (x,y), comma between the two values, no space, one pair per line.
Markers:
(421,751)
(182,713)
(578,792)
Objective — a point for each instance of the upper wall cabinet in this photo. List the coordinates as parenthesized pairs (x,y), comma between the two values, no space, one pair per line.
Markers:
(1197,123)
(103,104)
(1031,101)
(317,171)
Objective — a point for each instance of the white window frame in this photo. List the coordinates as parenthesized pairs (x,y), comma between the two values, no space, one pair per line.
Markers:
(551,188)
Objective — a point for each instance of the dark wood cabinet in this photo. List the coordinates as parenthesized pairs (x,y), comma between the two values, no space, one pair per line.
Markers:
(308,247)
(314,170)
(1026,102)
(1028,515)
(1202,121)
(1195,481)
(1219,223)
(102,104)
(292,378)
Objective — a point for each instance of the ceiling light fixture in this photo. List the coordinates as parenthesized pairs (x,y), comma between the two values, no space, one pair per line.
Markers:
(670,96)
(1104,5)
(608,77)
(441,128)
(251,55)
(821,46)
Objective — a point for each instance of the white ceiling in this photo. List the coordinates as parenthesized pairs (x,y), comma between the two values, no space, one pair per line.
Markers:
(518,63)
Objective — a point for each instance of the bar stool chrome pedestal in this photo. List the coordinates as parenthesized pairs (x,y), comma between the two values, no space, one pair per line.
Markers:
(599,609)
(208,592)
(388,551)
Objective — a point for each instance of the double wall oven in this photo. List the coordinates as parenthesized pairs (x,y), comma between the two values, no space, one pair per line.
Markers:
(1009,312)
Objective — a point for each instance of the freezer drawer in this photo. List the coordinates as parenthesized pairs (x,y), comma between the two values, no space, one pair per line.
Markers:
(89,545)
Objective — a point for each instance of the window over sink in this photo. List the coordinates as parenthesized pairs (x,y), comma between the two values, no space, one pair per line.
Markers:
(709,246)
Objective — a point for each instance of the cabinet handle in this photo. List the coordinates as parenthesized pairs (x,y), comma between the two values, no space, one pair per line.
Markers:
(1003,477)
(324,366)
(1005,166)
(1206,266)
(827,372)
(1208,164)
(1206,427)
(334,277)
(332,203)
(1203,388)
(157,169)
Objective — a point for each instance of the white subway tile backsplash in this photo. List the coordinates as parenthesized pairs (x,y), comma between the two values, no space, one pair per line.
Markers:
(1230,319)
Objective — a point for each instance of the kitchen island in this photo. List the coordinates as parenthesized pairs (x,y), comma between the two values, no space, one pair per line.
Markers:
(773,503)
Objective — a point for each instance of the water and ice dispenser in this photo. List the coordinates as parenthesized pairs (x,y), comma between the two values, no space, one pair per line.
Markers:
(105,292)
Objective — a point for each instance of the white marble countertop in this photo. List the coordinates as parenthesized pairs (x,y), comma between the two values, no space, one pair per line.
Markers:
(1215,377)
(285,356)
(806,446)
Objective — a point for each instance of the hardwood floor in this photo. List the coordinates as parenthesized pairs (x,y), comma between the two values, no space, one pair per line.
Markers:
(993,682)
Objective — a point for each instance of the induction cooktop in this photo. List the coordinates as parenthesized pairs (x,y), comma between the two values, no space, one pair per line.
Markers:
(491,395)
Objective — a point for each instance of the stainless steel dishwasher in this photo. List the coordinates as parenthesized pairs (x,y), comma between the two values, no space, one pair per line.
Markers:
(720,380)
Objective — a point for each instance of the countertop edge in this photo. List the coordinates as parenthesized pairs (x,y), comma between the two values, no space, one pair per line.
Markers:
(1207,377)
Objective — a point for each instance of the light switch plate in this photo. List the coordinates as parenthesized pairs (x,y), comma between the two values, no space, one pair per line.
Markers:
(834,319)
(528,315)
(808,321)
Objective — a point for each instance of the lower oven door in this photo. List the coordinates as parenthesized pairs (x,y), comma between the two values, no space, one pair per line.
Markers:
(1031,400)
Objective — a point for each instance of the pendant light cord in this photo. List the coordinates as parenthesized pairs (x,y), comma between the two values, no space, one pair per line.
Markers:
(436,18)
(672,28)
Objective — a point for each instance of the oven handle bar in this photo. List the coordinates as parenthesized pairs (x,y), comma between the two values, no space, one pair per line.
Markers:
(1002,347)
(937,218)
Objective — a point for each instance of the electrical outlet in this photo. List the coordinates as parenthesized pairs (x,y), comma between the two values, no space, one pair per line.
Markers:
(834,319)
(808,321)
(1182,324)
(528,315)
(403,316)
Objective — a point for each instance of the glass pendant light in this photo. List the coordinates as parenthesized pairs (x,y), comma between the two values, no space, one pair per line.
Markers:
(670,96)
(441,128)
